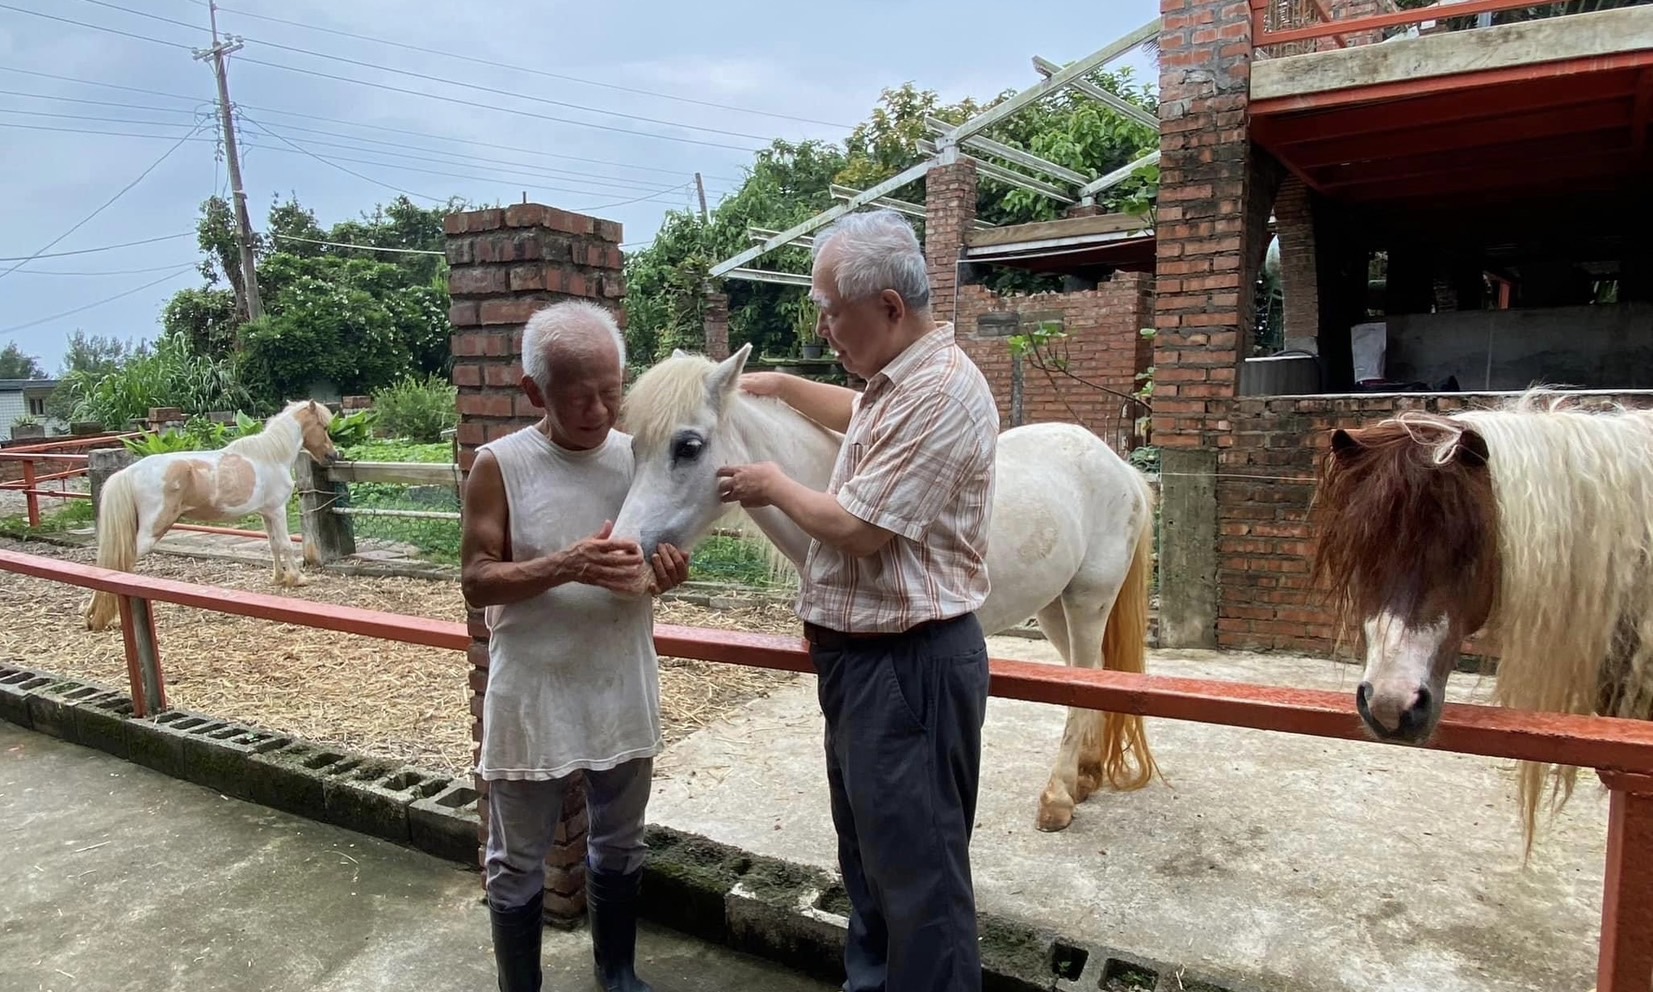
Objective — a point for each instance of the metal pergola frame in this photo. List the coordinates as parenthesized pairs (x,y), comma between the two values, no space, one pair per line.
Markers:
(956,142)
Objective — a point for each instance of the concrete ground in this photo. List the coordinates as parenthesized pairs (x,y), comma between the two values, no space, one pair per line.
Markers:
(1290,862)
(115,877)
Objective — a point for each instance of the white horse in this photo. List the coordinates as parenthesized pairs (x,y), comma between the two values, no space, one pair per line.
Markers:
(1070,542)
(252,474)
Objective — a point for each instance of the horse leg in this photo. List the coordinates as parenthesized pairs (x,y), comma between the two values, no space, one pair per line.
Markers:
(1080,761)
(281,547)
(1061,792)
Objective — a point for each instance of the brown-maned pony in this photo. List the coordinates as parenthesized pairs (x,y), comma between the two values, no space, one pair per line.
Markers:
(1532,521)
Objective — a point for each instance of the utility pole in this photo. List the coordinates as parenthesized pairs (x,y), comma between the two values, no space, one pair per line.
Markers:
(243,226)
(700,187)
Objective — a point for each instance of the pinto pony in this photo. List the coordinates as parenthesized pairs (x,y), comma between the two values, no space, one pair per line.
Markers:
(1534,522)
(1070,539)
(252,474)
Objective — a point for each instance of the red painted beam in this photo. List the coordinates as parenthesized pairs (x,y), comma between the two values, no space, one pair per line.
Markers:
(1483,135)
(1277,130)
(1429,85)
(1597,742)
(1496,181)
(1596,151)
(1375,22)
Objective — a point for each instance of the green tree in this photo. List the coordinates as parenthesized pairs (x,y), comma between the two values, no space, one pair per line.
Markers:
(16,365)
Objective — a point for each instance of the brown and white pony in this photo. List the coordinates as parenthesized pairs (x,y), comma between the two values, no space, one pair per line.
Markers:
(1534,522)
(252,474)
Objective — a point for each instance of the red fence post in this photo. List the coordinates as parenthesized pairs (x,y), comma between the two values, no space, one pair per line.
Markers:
(143,656)
(1626,963)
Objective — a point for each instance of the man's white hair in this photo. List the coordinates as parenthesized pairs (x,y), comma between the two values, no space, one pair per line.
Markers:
(577,324)
(877,250)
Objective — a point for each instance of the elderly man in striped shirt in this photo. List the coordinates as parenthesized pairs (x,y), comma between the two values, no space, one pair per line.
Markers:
(888,597)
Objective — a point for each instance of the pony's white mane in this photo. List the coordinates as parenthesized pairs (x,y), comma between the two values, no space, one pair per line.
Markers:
(1574,611)
(281,437)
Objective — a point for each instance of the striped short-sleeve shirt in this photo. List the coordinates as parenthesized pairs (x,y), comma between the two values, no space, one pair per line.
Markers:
(917,460)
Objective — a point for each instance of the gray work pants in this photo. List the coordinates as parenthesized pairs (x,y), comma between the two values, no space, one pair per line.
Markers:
(522,824)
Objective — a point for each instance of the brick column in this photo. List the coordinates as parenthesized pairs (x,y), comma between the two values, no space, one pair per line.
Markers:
(504,265)
(949,210)
(1214,200)
(1299,273)
(717,325)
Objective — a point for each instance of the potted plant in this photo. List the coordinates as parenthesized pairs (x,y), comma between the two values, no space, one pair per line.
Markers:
(813,347)
(27,426)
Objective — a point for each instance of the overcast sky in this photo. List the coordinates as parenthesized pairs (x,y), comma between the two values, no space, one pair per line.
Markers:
(70,144)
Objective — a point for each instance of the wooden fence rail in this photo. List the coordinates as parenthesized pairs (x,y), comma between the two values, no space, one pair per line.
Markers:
(1620,750)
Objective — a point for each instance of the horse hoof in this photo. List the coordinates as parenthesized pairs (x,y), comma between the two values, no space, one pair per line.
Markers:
(1054,815)
(1090,782)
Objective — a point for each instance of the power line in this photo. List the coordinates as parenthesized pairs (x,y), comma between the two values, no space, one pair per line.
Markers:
(99,303)
(110,272)
(95,27)
(423,196)
(106,203)
(639,199)
(433,96)
(468,58)
(345,244)
(518,168)
(89,251)
(314,117)
(101,132)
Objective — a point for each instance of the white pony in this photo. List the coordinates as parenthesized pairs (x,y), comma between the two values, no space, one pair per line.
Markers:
(252,474)
(1071,537)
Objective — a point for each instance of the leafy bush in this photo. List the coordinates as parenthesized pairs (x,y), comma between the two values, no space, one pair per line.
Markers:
(354,428)
(171,375)
(418,410)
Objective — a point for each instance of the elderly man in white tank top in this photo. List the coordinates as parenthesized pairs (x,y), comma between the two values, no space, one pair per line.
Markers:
(573,680)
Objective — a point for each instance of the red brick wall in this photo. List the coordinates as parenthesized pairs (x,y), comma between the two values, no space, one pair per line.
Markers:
(504,265)
(949,209)
(1104,345)
(1214,200)
(1299,278)
(1263,491)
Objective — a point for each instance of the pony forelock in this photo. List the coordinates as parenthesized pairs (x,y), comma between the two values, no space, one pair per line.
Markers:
(663,397)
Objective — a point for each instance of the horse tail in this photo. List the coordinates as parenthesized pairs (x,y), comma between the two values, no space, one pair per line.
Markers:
(1124,649)
(117,524)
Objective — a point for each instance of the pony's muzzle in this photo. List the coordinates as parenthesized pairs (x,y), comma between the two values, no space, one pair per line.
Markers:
(1396,715)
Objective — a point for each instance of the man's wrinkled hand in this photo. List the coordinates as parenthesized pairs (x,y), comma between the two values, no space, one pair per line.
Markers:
(671,569)
(601,561)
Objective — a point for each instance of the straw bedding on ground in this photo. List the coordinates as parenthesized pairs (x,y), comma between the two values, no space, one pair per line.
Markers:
(392,700)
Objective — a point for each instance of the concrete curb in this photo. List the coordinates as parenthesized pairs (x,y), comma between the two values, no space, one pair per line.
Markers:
(380,798)
(784,912)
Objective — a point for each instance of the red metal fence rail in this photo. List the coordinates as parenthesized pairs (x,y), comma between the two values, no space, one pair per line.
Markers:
(1621,750)
(1370,25)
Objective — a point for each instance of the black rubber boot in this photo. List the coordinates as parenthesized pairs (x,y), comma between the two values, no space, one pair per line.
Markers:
(611,906)
(517,934)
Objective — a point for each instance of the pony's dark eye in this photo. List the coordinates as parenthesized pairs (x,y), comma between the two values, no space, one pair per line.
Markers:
(687,449)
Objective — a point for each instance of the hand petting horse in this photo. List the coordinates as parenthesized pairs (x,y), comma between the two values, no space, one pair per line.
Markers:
(252,474)
(1530,521)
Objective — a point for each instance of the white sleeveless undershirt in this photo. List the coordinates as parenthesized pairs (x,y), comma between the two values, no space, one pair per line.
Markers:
(573,678)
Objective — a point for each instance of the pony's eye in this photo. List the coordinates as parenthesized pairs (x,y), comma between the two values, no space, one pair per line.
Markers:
(687,450)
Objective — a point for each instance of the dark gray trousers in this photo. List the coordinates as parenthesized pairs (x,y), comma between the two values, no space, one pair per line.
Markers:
(903,754)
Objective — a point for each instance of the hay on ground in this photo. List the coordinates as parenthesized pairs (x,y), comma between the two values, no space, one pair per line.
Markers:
(397,701)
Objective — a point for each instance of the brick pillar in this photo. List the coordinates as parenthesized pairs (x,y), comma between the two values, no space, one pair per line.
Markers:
(504,265)
(717,325)
(949,210)
(1299,273)
(1214,199)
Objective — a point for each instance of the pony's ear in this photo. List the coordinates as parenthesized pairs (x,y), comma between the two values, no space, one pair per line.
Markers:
(679,353)
(1472,449)
(1344,443)
(725,379)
